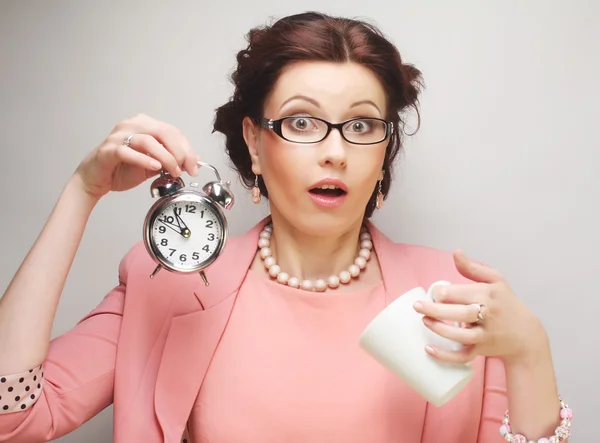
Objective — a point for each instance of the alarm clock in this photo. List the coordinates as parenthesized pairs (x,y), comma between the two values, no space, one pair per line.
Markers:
(185,230)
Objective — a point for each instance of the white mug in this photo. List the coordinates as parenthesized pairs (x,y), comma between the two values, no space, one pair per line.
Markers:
(397,337)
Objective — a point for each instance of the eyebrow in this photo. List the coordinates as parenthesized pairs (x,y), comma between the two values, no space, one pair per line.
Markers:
(316,103)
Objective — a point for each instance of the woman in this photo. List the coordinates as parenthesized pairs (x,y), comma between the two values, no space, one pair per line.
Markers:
(268,352)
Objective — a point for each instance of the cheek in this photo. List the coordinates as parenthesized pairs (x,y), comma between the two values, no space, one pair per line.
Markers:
(368,164)
(282,167)
(366,171)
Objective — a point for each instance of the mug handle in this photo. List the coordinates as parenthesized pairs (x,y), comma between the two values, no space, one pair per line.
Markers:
(455,346)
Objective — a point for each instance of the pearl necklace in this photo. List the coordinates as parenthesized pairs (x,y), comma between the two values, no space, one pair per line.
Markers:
(319,285)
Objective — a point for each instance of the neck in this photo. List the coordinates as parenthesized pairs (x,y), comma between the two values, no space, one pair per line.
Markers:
(313,256)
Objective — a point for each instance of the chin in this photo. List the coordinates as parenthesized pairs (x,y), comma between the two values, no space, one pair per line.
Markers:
(325,223)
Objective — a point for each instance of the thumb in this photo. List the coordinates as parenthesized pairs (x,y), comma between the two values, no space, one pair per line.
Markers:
(478,272)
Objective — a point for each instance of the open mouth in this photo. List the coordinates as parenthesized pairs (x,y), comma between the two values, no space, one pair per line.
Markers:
(327,191)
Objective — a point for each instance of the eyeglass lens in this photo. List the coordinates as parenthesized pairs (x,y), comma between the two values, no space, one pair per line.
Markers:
(308,130)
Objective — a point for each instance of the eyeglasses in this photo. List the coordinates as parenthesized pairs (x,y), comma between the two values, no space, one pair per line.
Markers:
(300,129)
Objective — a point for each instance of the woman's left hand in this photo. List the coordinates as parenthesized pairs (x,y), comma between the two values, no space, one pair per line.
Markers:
(508,328)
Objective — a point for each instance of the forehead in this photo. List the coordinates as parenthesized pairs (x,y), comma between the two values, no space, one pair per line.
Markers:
(335,86)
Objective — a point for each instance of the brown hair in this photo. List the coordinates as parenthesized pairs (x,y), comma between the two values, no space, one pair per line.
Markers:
(314,36)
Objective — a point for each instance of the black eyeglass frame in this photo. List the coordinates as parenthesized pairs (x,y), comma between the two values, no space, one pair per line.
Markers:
(275,126)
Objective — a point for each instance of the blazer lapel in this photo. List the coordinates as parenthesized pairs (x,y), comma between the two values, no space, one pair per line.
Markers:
(194,333)
(399,276)
(396,266)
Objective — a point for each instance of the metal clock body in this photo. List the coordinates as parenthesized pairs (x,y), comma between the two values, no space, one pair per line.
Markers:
(185,230)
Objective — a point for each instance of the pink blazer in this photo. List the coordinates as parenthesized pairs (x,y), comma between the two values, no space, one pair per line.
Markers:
(147,346)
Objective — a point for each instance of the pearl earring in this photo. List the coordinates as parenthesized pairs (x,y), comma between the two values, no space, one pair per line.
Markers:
(379,201)
(256,191)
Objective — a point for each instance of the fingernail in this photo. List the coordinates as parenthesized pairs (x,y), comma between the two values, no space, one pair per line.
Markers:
(418,306)
(195,170)
(430,349)
(154,164)
(178,171)
(427,321)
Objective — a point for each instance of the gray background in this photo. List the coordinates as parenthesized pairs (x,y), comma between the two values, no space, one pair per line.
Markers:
(505,165)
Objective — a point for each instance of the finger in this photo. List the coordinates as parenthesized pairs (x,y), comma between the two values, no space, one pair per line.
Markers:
(132,157)
(452,312)
(152,173)
(147,144)
(465,336)
(465,355)
(190,163)
(473,270)
(462,294)
(173,140)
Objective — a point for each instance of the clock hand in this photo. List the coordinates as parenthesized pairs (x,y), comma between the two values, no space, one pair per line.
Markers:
(170,226)
(177,218)
(185,231)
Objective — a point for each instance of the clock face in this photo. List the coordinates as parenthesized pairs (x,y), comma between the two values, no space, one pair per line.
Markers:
(187,233)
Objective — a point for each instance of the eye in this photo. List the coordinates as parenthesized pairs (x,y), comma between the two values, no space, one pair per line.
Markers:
(359,126)
(301,124)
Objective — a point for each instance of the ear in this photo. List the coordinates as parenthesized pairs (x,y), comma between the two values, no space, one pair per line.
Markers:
(251,137)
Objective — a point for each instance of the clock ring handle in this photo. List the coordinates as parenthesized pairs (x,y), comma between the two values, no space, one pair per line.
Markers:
(208,165)
(218,191)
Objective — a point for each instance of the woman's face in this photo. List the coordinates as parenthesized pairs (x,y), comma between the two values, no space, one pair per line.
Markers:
(291,171)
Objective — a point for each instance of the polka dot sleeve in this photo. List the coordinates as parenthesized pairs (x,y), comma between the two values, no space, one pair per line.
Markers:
(20,391)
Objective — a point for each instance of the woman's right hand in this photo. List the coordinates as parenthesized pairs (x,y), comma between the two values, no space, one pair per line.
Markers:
(35,290)
(155,145)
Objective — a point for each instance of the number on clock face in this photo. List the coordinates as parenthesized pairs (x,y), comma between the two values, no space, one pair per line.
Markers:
(187,233)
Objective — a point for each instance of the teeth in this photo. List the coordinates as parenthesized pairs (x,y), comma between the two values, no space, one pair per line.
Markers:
(328,187)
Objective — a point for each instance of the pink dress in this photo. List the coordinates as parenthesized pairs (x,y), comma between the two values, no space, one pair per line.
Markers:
(289,369)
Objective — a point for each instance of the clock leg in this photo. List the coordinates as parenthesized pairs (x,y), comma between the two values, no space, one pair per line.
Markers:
(203,275)
(158,268)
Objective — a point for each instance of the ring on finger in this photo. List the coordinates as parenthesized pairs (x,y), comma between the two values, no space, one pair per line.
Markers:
(127,141)
(480,311)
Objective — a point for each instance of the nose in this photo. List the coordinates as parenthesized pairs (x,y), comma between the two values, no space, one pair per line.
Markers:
(333,150)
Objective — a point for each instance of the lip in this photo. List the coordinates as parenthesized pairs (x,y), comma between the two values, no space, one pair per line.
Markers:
(326,201)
